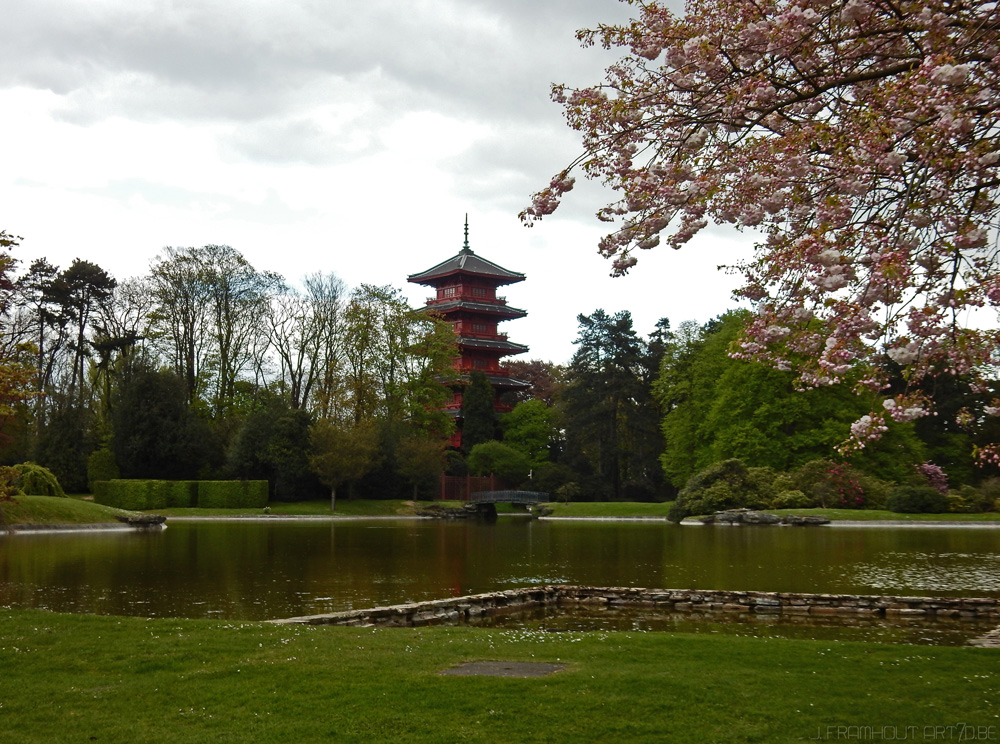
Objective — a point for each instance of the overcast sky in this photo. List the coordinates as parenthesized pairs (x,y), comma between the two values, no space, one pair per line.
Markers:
(324,135)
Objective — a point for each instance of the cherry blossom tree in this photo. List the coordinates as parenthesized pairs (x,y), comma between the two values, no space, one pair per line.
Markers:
(859,138)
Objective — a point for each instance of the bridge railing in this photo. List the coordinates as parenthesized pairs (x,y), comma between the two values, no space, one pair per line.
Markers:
(508,497)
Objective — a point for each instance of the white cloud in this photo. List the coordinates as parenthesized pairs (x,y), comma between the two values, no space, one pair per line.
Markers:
(322,135)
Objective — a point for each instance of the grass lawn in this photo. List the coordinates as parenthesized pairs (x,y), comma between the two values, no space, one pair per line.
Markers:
(345,508)
(57,510)
(77,510)
(876,515)
(84,678)
(609,509)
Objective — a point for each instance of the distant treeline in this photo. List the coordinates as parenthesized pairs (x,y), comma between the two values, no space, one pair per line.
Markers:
(206,368)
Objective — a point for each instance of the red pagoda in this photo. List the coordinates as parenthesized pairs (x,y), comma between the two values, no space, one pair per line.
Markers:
(466,286)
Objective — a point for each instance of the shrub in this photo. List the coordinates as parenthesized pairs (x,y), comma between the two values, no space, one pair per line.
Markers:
(791,500)
(969,500)
(550,476)
(510,465)
(232,494)
(830,484)
(133,495)
(568,492)
(136,495)
(917,500)
(761,481)
(932,475)
(990,490)
(101,466)
(784,482)
(34,480)
(876,490)
(724,485)
(182,494)
(8,483)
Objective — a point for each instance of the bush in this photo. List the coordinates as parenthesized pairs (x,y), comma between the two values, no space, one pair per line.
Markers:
(137,495)
(101,466)
(232,494)
(876,491)
(990,490)
(34,480)
(133,495)
(568,492)
(761,482)
(791,500)
(550,476)
(724,485)
(831,485)
(182,494)
(969,500)
(508,464)
(917,500)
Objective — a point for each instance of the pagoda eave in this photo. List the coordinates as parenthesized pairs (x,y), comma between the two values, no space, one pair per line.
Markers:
(500,382)
(451,306)
(506,347)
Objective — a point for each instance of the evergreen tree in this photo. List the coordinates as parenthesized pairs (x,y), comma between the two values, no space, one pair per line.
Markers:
(612,426)
(479,418)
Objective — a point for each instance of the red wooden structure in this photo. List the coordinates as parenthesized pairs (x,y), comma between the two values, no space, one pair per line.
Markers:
(466,296)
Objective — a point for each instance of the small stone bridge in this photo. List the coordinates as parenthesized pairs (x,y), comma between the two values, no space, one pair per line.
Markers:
(508,497)
(485,501)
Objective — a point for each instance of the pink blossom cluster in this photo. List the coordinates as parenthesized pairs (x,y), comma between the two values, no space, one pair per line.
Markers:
(934,476)
(859,138)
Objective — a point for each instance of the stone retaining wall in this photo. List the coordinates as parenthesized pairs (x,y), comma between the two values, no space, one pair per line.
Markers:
(463,609)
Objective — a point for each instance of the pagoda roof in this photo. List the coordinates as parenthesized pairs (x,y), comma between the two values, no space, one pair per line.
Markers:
(510,383)
(507,347)
(467,262)
(494,308)
(500,381)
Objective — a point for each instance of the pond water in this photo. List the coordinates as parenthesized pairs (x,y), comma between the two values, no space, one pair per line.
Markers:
(251,570)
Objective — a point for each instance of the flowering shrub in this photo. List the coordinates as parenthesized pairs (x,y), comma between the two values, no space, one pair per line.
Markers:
(934,476)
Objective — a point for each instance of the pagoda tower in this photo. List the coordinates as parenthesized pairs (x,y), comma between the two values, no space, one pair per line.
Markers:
(466,296)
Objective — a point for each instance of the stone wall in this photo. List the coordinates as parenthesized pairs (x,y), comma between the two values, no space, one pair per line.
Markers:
(463,609)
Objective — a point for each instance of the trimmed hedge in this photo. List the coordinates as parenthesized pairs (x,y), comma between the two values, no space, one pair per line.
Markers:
(139,495)
(182,494)
(232,494)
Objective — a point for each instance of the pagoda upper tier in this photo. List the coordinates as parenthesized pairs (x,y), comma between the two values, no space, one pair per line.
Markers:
(466,295)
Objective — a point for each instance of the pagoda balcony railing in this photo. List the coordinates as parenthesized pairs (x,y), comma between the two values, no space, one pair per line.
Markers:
(466,296)
(500,371)
(487,336)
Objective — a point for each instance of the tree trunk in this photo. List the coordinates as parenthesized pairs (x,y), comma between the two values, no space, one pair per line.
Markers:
(333,498)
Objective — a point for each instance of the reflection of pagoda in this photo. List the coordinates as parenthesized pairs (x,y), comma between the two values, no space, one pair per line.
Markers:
(466,286)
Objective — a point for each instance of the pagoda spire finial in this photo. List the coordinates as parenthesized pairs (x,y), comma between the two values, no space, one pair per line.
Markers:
(465,246)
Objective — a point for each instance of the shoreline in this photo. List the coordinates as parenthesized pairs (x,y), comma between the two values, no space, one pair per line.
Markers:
(36,529)
(41,529)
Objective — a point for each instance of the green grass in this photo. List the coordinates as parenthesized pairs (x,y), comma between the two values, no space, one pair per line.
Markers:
(35,512)
(877,515)
(85,678)
(345,508)
(57,510)
(609,509)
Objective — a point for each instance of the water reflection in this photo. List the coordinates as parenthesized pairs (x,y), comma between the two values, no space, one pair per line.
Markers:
(259,570)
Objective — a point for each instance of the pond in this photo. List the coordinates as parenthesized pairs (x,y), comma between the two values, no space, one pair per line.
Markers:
(253,570)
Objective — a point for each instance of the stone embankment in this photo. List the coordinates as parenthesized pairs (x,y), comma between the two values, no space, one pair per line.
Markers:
(724,603)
